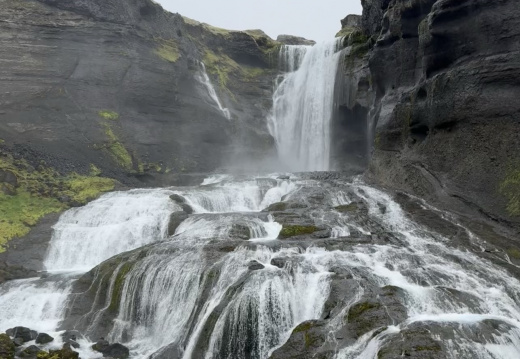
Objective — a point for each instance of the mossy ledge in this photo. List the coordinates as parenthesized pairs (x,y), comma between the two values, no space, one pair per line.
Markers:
(289,231)
(168,50)
(27,194)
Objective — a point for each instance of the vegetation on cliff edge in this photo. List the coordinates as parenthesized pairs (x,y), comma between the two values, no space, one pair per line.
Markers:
(27,194)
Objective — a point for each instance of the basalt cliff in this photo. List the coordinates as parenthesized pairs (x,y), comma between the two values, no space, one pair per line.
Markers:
(436,82)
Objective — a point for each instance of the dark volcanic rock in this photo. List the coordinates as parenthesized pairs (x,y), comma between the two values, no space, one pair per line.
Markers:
(116,351)
(43,338)
(437,83)
(25,333)
(176,218)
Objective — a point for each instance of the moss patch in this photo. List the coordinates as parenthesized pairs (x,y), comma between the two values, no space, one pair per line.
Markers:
(277,207)
(510,187)
(347,208)
(118,286)
(513,253)
(168,50)
(292,231)
(117,150)
(108,115)
(358,309)
(38,192)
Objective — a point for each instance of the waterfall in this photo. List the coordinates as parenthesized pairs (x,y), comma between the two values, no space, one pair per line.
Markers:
(204,79)
(202,293)
(303,105)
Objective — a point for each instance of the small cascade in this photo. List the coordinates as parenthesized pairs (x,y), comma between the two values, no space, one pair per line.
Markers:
(204,79)
(303,105)
(115,223)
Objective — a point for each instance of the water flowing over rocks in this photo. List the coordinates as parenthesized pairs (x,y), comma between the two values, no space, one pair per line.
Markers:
(409,250)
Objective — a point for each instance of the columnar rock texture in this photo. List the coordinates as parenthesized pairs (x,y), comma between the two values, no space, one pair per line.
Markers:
(445,116)
(115,84)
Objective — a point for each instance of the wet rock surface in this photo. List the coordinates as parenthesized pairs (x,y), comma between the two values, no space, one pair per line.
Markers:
(434,83)
(377,272)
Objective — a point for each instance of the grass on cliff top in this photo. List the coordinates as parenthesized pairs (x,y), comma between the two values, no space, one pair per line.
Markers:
(510,188)
(38,192)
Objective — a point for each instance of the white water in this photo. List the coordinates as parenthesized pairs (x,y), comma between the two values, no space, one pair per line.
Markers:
(204,79)
(115,223)
(303,106)
(172,294)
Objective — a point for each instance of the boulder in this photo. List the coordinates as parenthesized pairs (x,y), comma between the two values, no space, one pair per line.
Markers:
(254,265)
(44,338)
(101,345)
(25,333)
(176,218)
(116,351)
(240,231)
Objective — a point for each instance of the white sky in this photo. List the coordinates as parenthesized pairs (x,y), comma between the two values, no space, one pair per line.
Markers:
(317,20)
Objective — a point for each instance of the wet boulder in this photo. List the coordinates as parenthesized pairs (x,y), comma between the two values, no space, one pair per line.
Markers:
(305,342)
(101,345)
(7,348)
(117,351)
(413,343)
(30,352)
(376,310)
(44,338)
(176,218)
(240,231)
(254,265)
(24,333)
(289,231)
(64,353)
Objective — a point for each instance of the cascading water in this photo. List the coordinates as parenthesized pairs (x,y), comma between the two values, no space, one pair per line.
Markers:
(204,79)
(303,106)
(258,265)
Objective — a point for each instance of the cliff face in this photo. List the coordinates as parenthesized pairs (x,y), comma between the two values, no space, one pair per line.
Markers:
(445,115)
(118,85)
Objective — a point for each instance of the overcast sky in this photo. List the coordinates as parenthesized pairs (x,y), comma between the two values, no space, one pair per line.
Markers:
(314,19)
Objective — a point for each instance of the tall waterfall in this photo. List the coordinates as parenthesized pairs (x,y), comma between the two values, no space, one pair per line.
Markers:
(303,105)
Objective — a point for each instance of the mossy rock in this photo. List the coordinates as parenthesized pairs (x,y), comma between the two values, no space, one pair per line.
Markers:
(108,115)
(510,188)
(7,348)
(358,309)
(289,231)
(277,207)
(347,208)
(412,343)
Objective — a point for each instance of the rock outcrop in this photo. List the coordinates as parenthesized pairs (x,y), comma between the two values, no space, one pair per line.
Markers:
(437,87)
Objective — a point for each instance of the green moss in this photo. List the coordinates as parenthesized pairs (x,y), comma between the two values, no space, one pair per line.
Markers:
(1,141)
(20,212)
(94,171)
(277,207)
(346,31)
(108,115)
(351,207)
(117,150)
(84,189)
(118,286)
(303,327)
(510,188)
(168,50)
(39,192)
(291,231)
(513,253)
(358,309)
